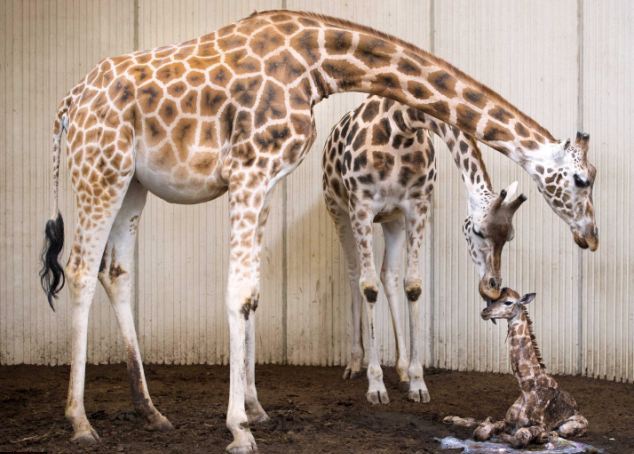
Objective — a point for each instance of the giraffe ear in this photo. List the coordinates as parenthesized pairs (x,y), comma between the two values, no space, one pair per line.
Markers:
(528,298)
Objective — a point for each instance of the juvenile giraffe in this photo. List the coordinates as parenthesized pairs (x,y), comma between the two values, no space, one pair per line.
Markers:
(231,112)
(379,166)
(543,406)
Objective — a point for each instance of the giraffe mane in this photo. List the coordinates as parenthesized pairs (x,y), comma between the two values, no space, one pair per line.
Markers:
(334,21)
(529,323)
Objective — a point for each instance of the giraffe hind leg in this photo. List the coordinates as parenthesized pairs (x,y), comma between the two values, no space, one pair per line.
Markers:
(116,274)
(575,426)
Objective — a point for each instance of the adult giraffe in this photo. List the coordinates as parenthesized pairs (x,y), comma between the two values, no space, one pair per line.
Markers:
(232,111)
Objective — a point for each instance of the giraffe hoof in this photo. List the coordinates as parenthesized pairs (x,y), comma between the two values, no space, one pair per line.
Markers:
(160,424)
(378,397)
(86,437)
(419,395)
(350,374)
(258,418)
(403,386)
(245,446)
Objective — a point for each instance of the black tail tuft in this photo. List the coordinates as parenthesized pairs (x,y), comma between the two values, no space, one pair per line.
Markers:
(52,273)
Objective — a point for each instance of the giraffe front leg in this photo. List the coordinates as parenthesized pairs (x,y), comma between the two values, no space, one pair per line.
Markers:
(394,234)
(575,426)
(361,218)
(525,436)
(487,429)
(116,274)
(413,283)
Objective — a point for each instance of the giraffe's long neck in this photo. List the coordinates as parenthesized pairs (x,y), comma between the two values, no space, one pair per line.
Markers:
(350,57)
(466,156)
(525,357)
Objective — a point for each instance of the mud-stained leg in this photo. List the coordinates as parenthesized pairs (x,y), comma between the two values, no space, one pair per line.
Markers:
(394,234)
(255,412)
(361,218)
(487,429)
(117,276)
(344,231)
(575,426)
(91,235)
(415,226)
(246,206)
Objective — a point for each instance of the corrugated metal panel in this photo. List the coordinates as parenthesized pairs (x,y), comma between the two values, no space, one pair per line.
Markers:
(527,51)
(319,303)
(608,72)
(47,47)
(183,253)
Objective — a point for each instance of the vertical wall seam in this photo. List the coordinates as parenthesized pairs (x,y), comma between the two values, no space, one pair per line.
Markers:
(284,260)
(432,249)
(580,280)
(135,295)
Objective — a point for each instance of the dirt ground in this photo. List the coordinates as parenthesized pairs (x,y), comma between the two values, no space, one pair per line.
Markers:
(311,408)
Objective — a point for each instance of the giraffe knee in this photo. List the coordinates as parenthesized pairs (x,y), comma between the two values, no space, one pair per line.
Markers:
(251,304)
(413,289)
(370,291)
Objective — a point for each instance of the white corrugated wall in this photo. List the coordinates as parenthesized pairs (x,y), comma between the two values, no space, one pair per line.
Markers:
(569,64)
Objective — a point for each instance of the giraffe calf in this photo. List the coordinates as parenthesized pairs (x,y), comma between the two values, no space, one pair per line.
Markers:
(543,410)
(379,167)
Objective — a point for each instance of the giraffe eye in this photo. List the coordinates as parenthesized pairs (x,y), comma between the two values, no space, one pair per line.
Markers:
(580,182)
(477,232)
(508,303)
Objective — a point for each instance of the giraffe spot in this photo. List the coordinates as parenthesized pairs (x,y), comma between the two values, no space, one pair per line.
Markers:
(170,72)
(250,26)
(408,67)
(167,111)
(307,46)
(381,132)
(539,169)
(195,78)
(338,41)
(241,62)
(288,28)
(467,118)
(540,138)
(271,105)
(143,58)
(121,92)
(388,83)
(204,162)
(183,136)
(163,52)
(284,67)
(370,111)
(149,96)
(493,133)
(231,42)
(440,110)
(177,89)
(280,17)
(202,63)
(320,84)
(107,137)
(294,151)
(521,130)
(265,41)
(501,114)
(529,144)
(474,97)
(300,94)
(242,125)
(302,124)
(163,159)
(220,75)
(227,29)
(444,82)
(309,22)
(382,163)
(208,137)
(206,49)
(140,73)
(342,70)
(154,132)
(374,52)
(272,138)
(418,90)
(359,140)
(405,175)
(189,102)
(244,91)
(211,101)
(244,153)
(226,122)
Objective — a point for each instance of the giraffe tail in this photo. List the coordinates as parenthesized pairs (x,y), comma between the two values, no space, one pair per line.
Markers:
(52,274)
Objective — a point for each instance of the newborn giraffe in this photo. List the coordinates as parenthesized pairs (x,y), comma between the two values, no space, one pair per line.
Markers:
(379,166)
(543,406)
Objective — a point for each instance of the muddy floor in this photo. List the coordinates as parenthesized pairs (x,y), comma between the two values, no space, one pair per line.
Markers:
(312,410)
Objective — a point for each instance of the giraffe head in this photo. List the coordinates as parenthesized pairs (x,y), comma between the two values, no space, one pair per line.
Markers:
(508,306)
(487,229)
(565,178)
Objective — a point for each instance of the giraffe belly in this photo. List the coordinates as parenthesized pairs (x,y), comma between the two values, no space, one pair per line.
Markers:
(196,180)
